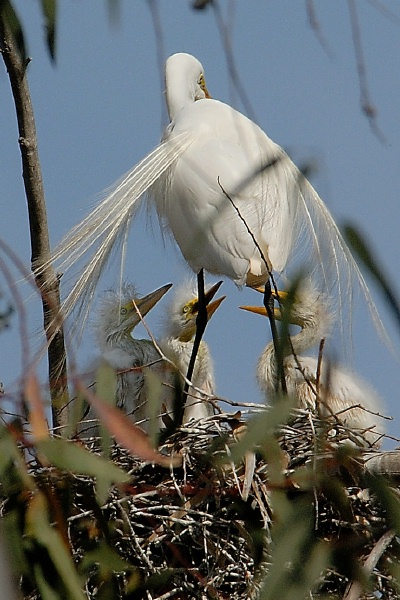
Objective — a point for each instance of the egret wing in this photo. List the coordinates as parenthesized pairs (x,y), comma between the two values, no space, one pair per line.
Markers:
(107,226)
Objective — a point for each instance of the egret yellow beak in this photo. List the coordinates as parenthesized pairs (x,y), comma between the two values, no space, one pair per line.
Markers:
(261,310)
(204,87)
(209,295)
(212,307)
(279,295)
(146,303)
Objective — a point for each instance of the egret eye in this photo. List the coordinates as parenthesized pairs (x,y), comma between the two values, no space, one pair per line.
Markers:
(185,309)
(123,311)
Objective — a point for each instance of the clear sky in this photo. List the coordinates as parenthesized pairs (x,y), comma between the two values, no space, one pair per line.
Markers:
(100,109)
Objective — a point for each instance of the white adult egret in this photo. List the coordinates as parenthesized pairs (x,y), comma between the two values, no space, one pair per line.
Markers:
(231,197)
(340,393)
(117,317)
(177,345)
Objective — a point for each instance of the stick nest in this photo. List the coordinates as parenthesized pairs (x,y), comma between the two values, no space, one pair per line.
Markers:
(188,533)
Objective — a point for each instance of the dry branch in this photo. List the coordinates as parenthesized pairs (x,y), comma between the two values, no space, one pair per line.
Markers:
(40,247)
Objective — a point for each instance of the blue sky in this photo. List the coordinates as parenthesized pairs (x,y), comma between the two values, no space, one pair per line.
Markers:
(100,109)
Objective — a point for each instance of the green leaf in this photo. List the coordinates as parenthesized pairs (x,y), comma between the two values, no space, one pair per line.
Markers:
(297,557)
(49,9)
(72,457)
(108,560)
(11,20)
(388,497)
(361,249)
(262,427)
(106,389)
(153,394)
(38,527)
(10,453)
(46,591)
(114,11)
(10,531)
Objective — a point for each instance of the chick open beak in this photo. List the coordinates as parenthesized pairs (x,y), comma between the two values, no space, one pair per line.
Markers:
(277,295)
(209,295)
(259,310)
(143,305)
(212,307)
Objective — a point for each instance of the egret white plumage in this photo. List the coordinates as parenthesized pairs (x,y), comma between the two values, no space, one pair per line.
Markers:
(117,317)
(177,345)
(308,380)
(233,200)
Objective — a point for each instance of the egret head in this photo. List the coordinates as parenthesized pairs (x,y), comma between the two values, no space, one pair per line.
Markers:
(119,310)
(184,82)
(182,314)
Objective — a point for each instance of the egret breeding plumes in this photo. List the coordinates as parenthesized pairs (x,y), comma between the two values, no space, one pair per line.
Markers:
(118,315)
(312,380)
(177,345)
(233,200)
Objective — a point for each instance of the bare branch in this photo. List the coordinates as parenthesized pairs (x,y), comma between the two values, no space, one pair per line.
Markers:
(366,103)
(315,26)
(40,246)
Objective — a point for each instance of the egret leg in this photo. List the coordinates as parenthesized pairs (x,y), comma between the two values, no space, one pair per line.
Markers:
(269,306)
(201,323)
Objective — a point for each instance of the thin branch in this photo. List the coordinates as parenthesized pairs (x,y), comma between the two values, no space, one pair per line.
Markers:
(316,27)
(366,103)
(160,48)
(39,236)
(226,37)
(269,308)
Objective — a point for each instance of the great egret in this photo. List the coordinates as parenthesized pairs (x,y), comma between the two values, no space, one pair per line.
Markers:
(341,395)
(117,317)
(177,345)
(233,200)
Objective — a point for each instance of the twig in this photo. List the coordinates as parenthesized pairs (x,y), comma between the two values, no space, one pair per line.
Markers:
(366,103)
(226,37)
(315,26)
(267,294)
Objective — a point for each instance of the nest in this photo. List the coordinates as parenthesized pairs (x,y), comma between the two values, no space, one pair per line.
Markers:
(188,532)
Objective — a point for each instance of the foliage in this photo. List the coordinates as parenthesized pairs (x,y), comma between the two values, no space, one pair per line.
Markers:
(82,524)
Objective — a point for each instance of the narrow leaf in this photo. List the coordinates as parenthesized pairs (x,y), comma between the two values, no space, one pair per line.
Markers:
(261,427)
(153,393)
(49,9)
(109,561)
(37,417)
(38,527)
(72,457)
(361,249)
(128,435)
(12,21)
(106,388)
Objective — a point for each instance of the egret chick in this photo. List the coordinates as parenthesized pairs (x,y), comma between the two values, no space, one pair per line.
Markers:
(177,345)
(117,317)
(338,391)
